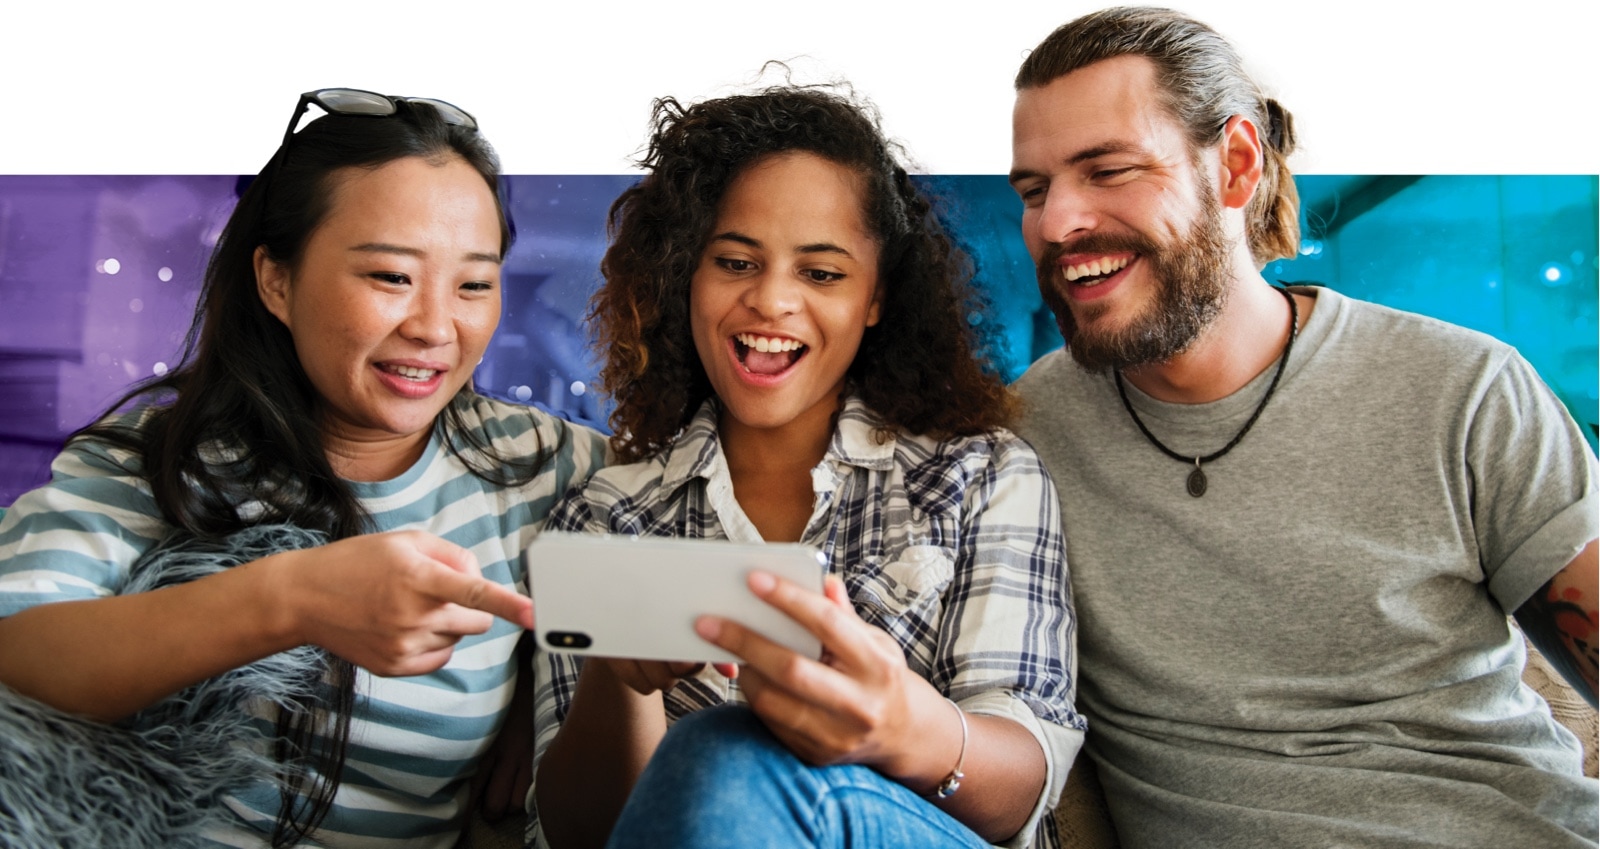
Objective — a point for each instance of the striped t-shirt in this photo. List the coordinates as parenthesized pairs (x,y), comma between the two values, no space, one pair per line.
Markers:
(414,742)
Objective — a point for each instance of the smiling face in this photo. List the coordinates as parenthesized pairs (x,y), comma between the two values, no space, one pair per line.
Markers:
(1133,249)
(785,288)
(391,304)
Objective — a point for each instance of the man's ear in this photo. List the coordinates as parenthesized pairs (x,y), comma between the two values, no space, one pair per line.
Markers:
(1241,162)
(272,284)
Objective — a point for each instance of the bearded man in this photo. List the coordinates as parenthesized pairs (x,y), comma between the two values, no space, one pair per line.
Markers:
(1296,521)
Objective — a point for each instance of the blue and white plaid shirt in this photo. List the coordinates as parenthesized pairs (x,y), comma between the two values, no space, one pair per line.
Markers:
(953,547)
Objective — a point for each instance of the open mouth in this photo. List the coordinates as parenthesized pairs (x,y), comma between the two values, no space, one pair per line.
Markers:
(1097,270)
(767,355)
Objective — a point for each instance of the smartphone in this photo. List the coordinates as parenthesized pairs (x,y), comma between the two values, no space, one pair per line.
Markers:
(638,597)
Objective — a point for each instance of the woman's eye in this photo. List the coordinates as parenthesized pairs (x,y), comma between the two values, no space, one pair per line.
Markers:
(391,277)
(817,275)
(737,266)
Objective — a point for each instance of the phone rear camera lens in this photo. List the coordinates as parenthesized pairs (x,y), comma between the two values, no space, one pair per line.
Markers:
(568,640)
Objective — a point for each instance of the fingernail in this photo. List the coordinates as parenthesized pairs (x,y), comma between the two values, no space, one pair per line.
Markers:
(762,583)
(708,627)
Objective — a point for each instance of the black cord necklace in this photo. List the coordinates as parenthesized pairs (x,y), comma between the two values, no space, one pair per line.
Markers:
(1197,478)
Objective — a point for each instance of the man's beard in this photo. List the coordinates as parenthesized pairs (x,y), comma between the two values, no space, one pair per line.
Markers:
(1191,287)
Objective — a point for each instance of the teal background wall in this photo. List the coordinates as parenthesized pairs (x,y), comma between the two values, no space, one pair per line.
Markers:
(1511,256)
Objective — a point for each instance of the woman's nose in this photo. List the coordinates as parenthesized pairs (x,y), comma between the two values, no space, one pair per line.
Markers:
(430,322)
(773,295)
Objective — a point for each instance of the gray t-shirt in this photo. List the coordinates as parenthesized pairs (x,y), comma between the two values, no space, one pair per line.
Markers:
(1316,652)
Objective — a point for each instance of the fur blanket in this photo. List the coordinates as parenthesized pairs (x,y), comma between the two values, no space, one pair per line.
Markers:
(156,778)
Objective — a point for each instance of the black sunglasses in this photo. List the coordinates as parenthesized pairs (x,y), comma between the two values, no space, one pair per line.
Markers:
(357,102)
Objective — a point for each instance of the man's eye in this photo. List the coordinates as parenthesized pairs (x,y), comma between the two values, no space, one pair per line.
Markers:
(478,286)
(1032,195)
(1110,173)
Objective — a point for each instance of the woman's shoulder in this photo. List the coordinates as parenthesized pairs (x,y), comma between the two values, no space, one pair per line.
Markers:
(517,431)
(75,536)
(630,482)
(994,448)
(952,473)
(614,498)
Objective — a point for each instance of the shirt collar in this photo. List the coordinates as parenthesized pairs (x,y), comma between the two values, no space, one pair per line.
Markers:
(697,453)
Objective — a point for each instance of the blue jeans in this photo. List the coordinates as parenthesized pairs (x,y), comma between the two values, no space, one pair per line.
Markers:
(720,779)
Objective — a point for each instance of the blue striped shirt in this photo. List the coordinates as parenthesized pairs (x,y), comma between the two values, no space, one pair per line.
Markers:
(953,547)
(415,741)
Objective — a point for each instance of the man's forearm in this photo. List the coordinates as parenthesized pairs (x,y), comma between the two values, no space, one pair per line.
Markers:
(1561,621)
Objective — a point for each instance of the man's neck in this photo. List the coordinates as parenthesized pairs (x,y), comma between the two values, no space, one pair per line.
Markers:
(1245,339)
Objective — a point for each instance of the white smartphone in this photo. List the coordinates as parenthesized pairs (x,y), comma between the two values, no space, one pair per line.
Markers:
(638,597)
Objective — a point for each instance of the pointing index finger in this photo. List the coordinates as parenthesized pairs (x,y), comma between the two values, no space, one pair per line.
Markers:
(483,594)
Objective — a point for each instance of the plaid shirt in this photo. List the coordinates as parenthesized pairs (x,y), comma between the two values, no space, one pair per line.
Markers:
(953,547)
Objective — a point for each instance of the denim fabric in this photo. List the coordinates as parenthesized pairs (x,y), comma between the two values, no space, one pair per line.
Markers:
(720,779)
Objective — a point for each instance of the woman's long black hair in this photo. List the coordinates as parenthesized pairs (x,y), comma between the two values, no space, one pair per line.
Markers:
(231,437)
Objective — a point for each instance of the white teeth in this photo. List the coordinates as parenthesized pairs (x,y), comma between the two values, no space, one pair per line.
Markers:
(768,344)
(410,373)
(1094,268)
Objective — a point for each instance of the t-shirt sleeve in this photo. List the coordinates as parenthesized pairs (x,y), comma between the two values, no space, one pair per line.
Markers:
(1533,478)
(77,536)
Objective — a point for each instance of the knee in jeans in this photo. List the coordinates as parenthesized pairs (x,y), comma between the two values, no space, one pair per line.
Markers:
(730,731)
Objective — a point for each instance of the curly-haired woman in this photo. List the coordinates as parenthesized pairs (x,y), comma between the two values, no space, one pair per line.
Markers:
(787,340)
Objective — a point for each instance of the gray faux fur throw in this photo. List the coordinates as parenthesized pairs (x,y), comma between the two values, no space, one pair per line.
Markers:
(154,779)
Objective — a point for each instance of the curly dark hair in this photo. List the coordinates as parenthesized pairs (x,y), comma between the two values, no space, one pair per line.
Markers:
(920,367)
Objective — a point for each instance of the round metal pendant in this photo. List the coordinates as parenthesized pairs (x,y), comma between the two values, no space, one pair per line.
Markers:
(1197,482)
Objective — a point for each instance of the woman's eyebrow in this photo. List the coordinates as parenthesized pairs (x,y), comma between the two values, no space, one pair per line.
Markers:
(387,248)
(813,248)
(824,247)
(736,236)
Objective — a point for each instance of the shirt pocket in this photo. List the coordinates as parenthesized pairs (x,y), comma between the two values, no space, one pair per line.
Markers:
(910,585)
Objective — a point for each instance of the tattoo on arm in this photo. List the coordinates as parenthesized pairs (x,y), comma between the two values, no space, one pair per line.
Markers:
(1561,621)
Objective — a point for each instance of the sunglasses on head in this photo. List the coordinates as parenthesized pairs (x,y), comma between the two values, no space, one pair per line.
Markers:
(357,102)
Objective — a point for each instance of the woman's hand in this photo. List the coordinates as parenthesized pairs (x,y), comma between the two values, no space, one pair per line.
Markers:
(858,704)
(393,603)
(645,676)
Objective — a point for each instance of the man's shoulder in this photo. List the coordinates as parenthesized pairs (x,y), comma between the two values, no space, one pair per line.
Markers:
(1054,376)
(1398,332)
(1056,390)
(1044,370)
